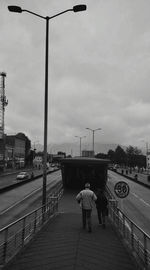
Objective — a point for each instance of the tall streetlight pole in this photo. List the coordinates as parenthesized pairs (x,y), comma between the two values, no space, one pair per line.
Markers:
(93,131)
(80,141)
(146,143)
(18,9)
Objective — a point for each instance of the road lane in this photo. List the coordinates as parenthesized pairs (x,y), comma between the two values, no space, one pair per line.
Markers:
(20,201)
(137,204)
(10,178)
(11,197)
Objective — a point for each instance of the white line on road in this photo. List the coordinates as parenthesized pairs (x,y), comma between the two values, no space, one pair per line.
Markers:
(135,195)
(28,195)
(7,209)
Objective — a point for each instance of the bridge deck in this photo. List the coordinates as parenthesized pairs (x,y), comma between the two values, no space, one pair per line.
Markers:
(63,244)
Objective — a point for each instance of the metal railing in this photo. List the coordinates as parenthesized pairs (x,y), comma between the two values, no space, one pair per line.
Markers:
(14,236)
(136,239)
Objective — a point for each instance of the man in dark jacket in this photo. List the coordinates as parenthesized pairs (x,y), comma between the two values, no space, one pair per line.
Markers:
(101,205)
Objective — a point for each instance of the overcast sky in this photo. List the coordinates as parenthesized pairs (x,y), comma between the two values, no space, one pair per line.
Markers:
(99,70)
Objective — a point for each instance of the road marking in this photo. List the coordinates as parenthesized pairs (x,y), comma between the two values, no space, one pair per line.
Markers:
(144,202)
(7,209)
(28,195)
(134,194)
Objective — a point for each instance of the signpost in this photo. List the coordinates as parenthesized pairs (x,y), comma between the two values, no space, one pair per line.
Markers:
(121,189)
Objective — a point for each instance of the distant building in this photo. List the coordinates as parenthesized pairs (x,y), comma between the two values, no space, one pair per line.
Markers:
(15,151)
(87,153)
(2,154)
(56,158)
(38,162)
(148,160)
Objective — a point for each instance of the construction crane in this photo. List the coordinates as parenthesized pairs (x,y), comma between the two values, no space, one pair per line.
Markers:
(3,104)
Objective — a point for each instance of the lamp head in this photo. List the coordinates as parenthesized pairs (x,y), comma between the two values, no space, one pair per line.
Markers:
(78,8)
(15,9)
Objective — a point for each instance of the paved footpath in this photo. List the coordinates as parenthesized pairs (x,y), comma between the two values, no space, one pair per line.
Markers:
(63,244)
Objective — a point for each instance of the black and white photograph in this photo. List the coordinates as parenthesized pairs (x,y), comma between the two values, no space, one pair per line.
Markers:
(74,134)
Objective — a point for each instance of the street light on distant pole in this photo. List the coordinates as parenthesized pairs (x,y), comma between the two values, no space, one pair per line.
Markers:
(93,131)
(18,9)
(80,141)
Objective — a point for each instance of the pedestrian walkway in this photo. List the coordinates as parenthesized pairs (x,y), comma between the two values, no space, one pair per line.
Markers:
(63,244)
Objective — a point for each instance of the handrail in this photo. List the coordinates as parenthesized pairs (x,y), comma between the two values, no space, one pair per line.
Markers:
(14,236)
(130,220)
(28,214)
(137,240)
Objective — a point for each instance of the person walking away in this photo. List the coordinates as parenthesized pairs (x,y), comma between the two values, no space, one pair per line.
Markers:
(101,205)
(86,198)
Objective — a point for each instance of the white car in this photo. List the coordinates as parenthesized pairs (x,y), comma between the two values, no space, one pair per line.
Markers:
(23,176)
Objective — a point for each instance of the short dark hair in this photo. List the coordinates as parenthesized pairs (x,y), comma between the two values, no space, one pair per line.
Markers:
(87,185)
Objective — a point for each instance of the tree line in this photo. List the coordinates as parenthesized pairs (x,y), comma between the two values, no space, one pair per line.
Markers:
(130,157)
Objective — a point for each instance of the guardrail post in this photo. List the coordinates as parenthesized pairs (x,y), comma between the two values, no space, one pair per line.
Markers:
(132,235)
(145,251)
(5,246)
(43,213)
(118,219)
(114,215)
(56,210)
(35,221)
(23,231)
(123,225)
(138,247)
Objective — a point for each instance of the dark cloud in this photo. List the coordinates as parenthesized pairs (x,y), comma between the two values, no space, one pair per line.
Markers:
(98,70)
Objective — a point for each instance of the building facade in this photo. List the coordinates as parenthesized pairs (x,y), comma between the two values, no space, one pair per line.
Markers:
(88,153)
(38,162)
(15,151)
(148,160)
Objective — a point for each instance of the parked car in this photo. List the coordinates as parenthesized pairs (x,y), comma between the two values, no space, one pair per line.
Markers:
(23,176)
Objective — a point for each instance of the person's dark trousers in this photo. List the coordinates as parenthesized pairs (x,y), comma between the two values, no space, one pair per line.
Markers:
(86,218)
(101,216)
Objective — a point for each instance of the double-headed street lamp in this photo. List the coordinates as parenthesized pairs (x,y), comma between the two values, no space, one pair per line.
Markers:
(18,9)
(93,131)
(80,141)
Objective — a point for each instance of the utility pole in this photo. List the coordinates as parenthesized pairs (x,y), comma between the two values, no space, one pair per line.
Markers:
(3,104)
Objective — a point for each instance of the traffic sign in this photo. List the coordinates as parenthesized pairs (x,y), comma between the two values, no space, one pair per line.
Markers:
(121,189)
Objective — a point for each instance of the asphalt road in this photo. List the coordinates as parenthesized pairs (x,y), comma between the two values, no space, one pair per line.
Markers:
(137,204)
(20,201)
(17,202)
(10,178)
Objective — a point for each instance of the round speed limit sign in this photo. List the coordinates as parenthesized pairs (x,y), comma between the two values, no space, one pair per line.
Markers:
(121,189)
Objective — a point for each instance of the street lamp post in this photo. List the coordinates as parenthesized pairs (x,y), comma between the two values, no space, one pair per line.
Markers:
(18,9)
(147,158)
(146,143)
(80,141)
(93,131)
